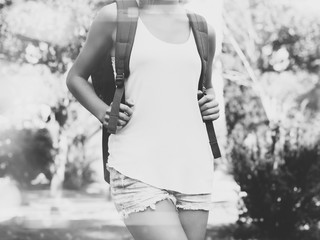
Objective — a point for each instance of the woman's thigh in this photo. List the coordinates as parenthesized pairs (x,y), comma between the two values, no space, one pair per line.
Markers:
(161,223)
(194,223)
(147,211)
(152,213)
(194,213)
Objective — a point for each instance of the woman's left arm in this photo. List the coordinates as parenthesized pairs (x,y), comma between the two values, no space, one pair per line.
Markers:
(209,106)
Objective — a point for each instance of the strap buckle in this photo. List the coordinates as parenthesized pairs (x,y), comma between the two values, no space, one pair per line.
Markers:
(120,80)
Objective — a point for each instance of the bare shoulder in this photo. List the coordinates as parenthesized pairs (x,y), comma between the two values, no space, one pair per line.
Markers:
(104,22)
(108,13)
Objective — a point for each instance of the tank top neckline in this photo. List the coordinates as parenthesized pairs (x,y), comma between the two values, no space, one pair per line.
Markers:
(141,23)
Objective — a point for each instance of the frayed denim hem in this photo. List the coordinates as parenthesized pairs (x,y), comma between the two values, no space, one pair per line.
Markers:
(150,204)
(195,206)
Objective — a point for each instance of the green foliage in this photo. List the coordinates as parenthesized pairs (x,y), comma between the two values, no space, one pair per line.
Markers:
(24,153)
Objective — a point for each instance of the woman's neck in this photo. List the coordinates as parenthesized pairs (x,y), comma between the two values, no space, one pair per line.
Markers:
(158,2)
(162,7)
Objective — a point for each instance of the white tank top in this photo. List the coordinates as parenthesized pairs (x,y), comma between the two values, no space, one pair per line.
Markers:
(165,143)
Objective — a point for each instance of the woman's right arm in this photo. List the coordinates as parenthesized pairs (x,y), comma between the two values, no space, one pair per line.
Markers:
(98,44)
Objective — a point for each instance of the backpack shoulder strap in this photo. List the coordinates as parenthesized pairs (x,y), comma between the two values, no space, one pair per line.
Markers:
(200,31)
(127,16)
(126,29)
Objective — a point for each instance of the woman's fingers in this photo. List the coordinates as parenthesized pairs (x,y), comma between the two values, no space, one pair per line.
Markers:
(122,120)
(124,117)
(121,123)
(205,99)
(105,123)
(130,104)
(209,107)
(106,115)
(211,103)
(126,109)
(211,117)
(125,114)
(210,114)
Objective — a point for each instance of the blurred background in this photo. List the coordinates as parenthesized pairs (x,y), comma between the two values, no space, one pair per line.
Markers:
(266,77)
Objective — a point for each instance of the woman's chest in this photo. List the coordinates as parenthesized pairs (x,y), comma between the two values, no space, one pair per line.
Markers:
(153,53)
(171,31)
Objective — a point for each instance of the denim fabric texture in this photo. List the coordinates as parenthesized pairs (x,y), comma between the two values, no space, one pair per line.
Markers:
(131,195)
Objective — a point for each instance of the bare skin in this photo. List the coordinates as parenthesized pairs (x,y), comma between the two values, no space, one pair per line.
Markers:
(163,223)
(167,222)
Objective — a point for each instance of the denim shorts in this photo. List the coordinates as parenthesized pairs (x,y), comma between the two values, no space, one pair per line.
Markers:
(130,195)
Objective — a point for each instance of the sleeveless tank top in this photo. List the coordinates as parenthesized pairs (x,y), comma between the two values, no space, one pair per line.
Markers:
(165,143)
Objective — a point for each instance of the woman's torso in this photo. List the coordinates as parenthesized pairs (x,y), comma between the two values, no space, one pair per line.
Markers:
(165,143)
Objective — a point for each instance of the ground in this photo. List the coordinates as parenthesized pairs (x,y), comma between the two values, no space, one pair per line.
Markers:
(90,216)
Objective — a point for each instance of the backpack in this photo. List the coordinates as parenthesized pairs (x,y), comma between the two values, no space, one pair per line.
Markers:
(110,88)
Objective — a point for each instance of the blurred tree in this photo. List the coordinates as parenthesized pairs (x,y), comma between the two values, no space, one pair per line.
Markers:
(51,38)
(271,65)
(271,38)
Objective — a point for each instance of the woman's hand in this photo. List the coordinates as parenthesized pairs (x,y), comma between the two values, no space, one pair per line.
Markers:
(209,106)
(125,114)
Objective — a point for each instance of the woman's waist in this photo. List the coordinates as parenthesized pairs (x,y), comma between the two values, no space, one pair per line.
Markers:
(149,140)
